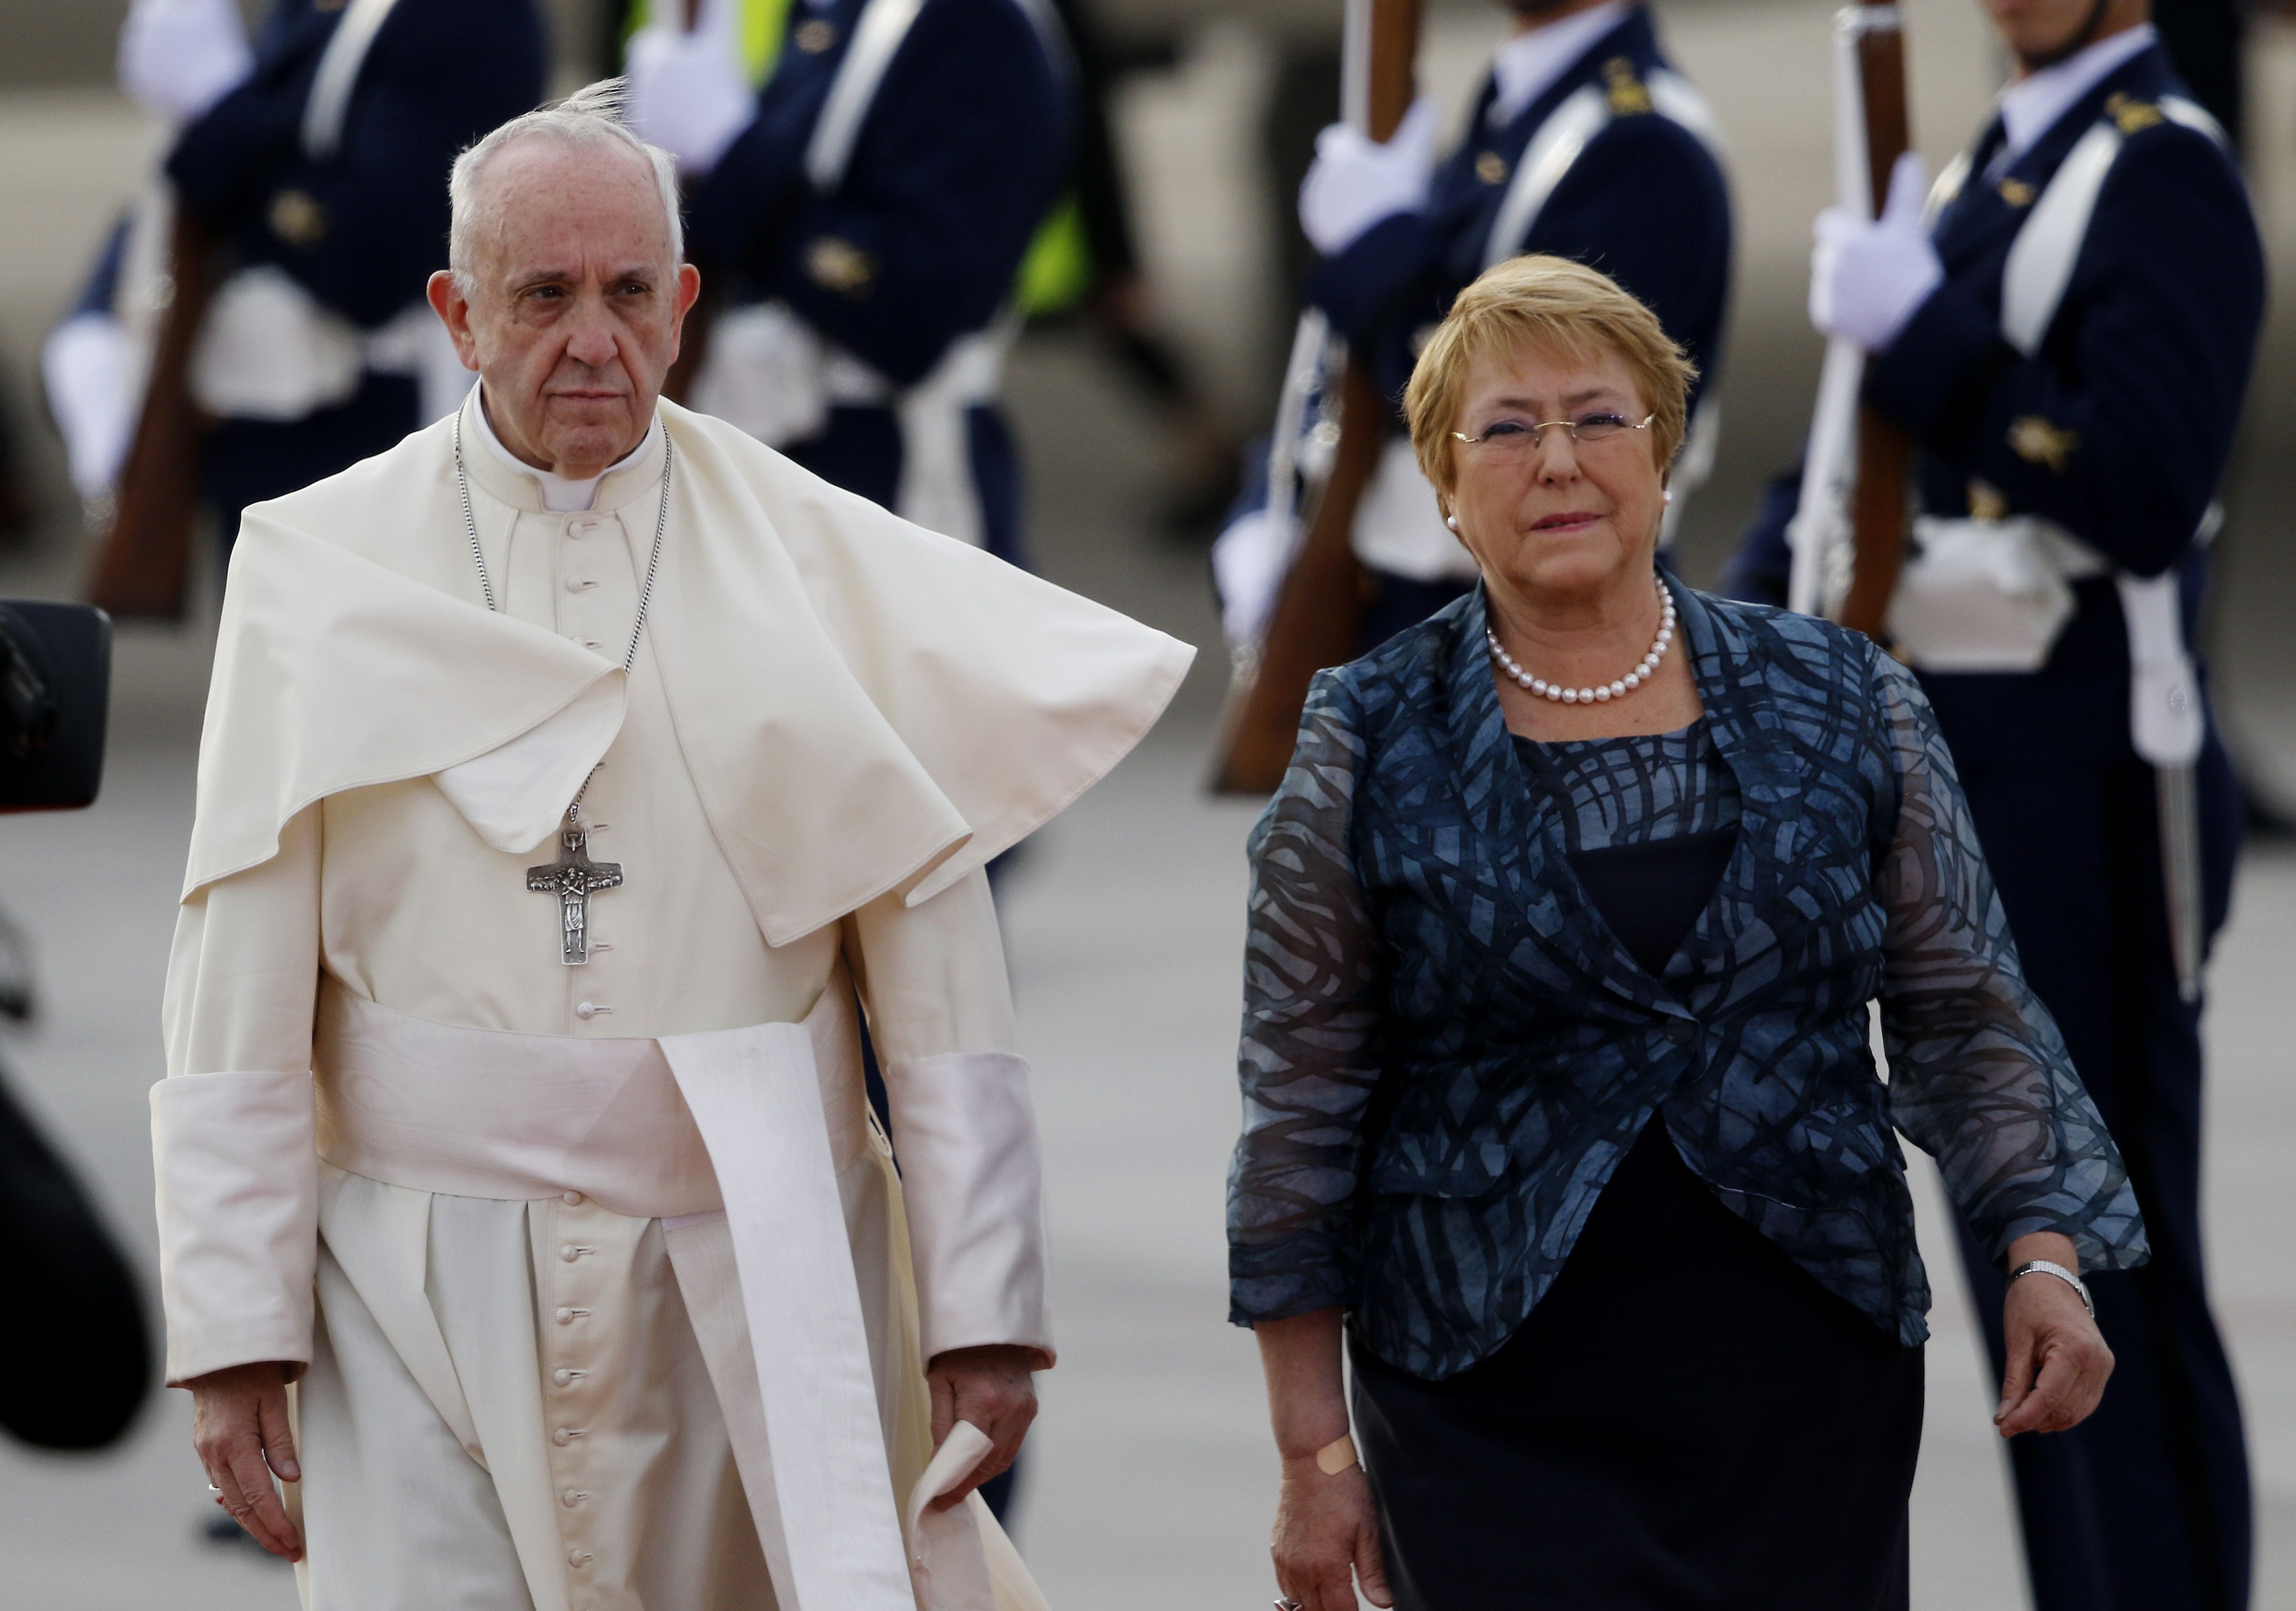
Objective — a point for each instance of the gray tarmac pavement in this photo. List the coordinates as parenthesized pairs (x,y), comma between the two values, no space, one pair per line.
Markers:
(1151,1481)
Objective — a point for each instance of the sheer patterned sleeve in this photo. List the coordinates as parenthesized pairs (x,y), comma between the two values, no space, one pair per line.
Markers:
(1979,1074)
(1308,1059)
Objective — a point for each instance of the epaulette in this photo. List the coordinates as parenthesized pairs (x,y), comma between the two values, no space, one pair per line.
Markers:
(1629,93)
(2132,117)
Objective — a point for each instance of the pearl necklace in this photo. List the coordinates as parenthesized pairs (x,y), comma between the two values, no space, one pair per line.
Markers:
(1602,692)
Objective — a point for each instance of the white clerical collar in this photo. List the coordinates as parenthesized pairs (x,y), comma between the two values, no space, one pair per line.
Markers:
(1528,63)
(560,494)
(2032,105)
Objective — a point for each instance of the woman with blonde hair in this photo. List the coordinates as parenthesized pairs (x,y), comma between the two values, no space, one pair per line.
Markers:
(1559,1108)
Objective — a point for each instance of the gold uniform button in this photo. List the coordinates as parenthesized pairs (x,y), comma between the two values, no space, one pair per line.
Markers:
(836,264)
(813,35)
(296,218)
(2037,441)
(1491,167)
(2016,192)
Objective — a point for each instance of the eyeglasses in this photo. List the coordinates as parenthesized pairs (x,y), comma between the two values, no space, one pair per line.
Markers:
(1518,439)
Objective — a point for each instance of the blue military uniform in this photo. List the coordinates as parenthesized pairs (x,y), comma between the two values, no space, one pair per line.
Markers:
(2115,429)
(359,229)
(1645,201)
(909,251)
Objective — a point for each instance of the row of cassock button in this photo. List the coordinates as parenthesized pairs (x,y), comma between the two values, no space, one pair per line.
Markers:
(566,1377)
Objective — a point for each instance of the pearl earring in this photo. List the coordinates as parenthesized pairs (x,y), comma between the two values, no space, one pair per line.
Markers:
(1451,521)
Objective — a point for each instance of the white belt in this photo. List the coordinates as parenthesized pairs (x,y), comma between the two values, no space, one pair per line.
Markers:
(769,372)
(1994,595)
(269,351)
(758,1119)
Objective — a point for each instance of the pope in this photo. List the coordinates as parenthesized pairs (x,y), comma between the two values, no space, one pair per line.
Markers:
(575,773)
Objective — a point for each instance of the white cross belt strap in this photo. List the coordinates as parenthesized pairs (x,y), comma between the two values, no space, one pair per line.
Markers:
(330,104)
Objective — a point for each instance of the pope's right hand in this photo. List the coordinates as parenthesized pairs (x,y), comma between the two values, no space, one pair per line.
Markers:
(177,58)
(1358,181)
(239,1426)
(687,94)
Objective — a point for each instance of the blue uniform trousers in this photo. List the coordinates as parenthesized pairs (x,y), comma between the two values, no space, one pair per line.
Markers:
(2145,1505)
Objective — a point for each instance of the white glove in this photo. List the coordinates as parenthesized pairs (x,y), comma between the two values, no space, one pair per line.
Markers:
(179,57)
(96,391)
(1358,181)
(688,93)
(1867,277)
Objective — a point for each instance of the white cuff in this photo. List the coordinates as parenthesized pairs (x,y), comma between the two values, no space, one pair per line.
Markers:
(235,1165)
(965,1133)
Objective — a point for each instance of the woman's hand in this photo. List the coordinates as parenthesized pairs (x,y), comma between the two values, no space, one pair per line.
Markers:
(239,1426)
(1325,1525)
(991,1387)
(2058,1359)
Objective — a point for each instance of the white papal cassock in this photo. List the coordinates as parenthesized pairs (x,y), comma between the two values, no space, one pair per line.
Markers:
(603,1274)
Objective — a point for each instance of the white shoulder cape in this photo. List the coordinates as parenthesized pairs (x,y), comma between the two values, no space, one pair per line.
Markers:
(865,707)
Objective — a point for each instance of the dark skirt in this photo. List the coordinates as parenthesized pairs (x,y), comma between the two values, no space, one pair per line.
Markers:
(1688,1422)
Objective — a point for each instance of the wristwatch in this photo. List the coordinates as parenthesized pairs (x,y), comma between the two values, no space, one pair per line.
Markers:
(2041,1267)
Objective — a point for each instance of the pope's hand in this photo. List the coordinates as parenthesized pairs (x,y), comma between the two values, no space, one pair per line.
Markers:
(1358,181)
(687,94)
(179,57)
(991,1387)
(1868,276)
(239,1426)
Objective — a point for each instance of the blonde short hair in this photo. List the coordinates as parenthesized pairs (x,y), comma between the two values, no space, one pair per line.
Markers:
(1559,306)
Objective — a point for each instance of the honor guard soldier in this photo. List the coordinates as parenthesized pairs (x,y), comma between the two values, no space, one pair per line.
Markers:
(2068,337)
(1583,143)
(316,157)
(860,223)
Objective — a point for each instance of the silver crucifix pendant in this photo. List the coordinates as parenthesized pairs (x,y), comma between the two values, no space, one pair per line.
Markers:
(573,878)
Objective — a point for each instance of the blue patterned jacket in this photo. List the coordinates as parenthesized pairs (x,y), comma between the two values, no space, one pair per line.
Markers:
(1446,1052)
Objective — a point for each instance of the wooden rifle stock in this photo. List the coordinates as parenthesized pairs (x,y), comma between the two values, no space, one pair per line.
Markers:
(144,561)
(1318,614)
(1878,513)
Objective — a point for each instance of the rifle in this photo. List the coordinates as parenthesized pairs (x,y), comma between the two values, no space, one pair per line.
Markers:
(143,560)
(1854,473)
(1317,614)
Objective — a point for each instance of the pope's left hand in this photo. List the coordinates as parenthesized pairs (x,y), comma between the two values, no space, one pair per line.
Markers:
(1868,276)
(991,1387)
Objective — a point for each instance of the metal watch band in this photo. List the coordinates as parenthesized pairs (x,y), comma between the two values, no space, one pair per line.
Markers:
(2044,1268)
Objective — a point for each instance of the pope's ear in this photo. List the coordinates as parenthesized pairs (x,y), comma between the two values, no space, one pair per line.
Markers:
(454,310)
(689,288)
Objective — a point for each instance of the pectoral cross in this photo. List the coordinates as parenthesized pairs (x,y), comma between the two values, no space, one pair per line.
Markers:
(573,878)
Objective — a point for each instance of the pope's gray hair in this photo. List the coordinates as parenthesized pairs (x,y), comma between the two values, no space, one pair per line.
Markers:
(593,116)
